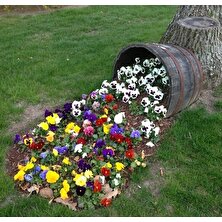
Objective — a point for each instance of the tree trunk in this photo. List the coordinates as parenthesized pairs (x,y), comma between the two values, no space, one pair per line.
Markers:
(198,28)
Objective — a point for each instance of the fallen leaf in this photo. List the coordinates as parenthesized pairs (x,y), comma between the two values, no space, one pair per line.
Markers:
(112,194)
(46,193)
(66,202)
(33,188)
(76,158)
(161,172)
(107,188)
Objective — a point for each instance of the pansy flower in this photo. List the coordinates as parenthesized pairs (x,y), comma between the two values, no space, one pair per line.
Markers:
(135,134)
(116,130)
(80,191)
(107,152)
(105,171)
(130,154)
(106,202)
(97,186)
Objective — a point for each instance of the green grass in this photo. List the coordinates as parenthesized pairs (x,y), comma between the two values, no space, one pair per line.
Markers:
(52,58)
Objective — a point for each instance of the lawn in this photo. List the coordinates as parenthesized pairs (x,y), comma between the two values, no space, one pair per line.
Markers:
(49,59)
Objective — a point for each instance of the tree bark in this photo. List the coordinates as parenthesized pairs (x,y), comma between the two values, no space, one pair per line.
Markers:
(198,28)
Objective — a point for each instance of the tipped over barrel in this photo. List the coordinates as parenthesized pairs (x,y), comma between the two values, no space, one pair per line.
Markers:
(183,68)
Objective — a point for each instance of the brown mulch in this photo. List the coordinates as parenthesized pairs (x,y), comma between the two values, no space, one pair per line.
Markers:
(14,155)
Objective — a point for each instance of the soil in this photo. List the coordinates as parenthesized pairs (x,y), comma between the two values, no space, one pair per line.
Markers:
(32,9)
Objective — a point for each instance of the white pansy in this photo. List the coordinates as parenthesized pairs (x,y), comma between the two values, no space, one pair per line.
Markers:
(165,80)
(150,144)
(142,81)
(134,93)
(156,130)
(129,72)
(137,69)
(125,99)
(146,63)
(118,176)
(84,155)
(154,103)
(78,148)
(76,112)
(147,87)
(103,91)
(158,95)
(150,78)
(153,90)
(157,61)
(137,60)
(118,119)
(162,71)
(116,182)
(132,86)
(76,104)
(102,179)
(105,84)
(113,84)
(156,72)
(146,110)
(145,102)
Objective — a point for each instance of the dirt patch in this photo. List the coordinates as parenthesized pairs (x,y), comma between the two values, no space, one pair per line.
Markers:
(206,100)
(32,9)
(156,181)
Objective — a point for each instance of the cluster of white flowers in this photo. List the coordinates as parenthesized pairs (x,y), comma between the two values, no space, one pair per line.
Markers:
(76,107)
(144,77)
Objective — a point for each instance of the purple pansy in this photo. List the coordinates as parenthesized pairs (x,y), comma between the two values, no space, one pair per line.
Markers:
(43,155)
(115,129)
(83,165)
(53,128)
(61,149)
(100,143)
(135,134)
(88,114)
(107,152)
(36,170)
(28,177)
(90,184)
(67,107)
(17,138)
(47,113)
(42,175)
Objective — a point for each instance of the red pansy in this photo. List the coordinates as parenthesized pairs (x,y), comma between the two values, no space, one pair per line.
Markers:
(115,107)
(105,171)
(81,140)
(109,98)
(130,154)
(97,186)
(106,202)
(119,138)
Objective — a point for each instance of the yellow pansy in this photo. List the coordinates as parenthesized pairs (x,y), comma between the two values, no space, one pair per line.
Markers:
(119,166)
(63,194)
(88,174)
(28,166)
(69,128)
(52,176)
(33,159)
(106,111)
(28,141)
(50,136)
(73,173)
(103,116)
(80,180)
(43,167)
(66,161)
(56,167)
(19,175)
(76,129)
(20,167)
(106,128)
(44,125)
(108,165)
(53,119)
(55,152)
(66,186)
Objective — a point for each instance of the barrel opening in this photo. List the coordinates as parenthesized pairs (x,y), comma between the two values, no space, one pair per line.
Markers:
(128,55)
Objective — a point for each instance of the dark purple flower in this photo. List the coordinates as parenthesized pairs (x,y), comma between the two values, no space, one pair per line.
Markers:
(135,134)
(89,115)
(100,143)
(84,96)
(67,107)
(53,128)
(17,138)
(28,177)
(80,191)
(83,165)
(36,170)
(61,149)
(116,130)
(107,152)
(47,113)
(42,175)
(90,184)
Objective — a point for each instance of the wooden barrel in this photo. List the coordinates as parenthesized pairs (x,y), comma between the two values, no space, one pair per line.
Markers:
(183,68)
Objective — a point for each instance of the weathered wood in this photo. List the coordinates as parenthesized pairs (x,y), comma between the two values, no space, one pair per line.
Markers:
(202,36)
(183,68)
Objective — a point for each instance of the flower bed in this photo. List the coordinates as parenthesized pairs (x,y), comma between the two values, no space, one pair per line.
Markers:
(82,155)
